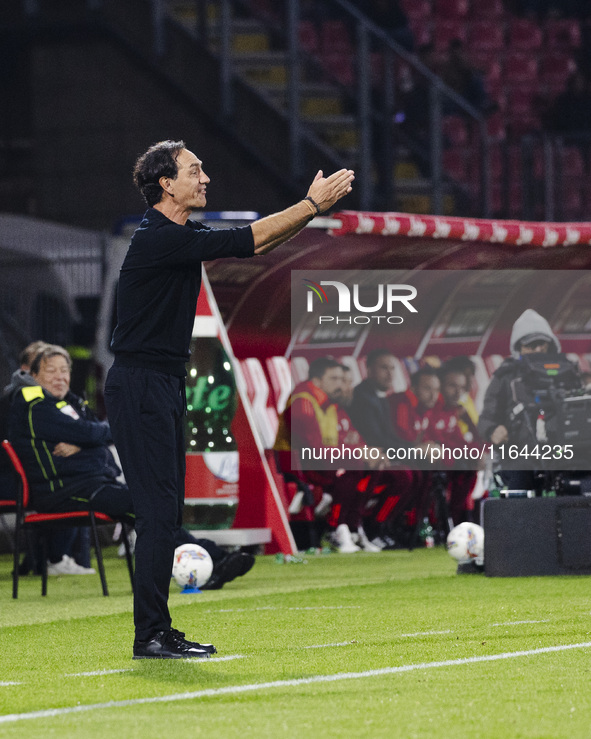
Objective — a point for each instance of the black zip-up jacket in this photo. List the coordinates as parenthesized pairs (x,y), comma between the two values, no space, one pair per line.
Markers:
(372,417)
(158,288)
(38,421)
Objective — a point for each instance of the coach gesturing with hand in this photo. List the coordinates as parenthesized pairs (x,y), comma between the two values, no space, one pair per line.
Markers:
(145,389)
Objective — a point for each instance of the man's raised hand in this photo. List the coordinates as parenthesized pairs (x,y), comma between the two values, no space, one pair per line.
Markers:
(325,191)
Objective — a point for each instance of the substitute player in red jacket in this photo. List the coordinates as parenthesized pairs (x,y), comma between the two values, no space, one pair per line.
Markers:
(454,428)
(411,414)
(312,430)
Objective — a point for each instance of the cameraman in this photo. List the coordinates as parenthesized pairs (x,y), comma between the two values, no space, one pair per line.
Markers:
(503,418)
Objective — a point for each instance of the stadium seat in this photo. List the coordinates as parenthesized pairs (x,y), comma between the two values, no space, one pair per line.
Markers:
(299,369)
(417,9)
(334,37)
(354,368)
(520,125)
(43,523)
(555,69)
(455,130)
(480,381)
(454,164)
(515,200)
(493,362)
(452,8)
(520,101)
(489,63)
(280,375)
(489,9)
(422,31)
(495,126)
(497,161)
(486,36)
(339,66)
(264,7)
(570,162)
(265,414)
(562,34)
(514,156)
(524,35)
(497,94)
(308,37)
(497,196)
(521,114)
(401,379)
(520,70)
(446,31)
(571,199)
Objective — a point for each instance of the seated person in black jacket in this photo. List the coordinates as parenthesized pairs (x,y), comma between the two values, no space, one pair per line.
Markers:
(370,411)
(65,451)
(68,546)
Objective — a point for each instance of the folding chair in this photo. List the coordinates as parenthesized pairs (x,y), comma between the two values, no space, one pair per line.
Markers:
(43,522)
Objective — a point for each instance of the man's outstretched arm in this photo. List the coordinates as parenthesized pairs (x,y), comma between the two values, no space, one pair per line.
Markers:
(323,193)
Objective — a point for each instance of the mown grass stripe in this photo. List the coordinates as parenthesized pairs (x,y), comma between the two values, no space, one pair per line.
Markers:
(92,673)
(334,644)
(425,633)
(296,682)
(520,623)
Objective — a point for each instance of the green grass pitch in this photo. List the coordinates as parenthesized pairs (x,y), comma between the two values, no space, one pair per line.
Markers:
(367,645)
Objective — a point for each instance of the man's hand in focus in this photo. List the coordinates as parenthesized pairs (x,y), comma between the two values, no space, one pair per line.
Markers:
(325,191)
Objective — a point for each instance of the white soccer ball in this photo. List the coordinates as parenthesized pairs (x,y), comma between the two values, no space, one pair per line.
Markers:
(192,566)
(465,543)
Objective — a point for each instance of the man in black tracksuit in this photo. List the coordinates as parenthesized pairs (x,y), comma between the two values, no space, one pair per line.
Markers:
(145,389)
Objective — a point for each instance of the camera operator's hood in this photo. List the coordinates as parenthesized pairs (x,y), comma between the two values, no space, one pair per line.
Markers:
(531,325)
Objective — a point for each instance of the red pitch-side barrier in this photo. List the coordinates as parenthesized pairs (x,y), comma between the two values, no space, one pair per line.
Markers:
(516,233)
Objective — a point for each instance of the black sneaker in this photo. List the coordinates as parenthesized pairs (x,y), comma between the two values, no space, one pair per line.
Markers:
(229,568)
(168,645)
(181,635)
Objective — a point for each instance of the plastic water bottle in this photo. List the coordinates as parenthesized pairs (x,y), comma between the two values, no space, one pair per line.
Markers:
(426,534)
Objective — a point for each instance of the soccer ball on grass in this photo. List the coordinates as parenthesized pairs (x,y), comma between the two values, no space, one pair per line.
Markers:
(465,543)
(192,566)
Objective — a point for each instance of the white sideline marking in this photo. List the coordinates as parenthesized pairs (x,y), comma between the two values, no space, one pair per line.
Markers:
(426,633)
(98,672)
(518,623)
(276,608)
(335,644)
(319,608)
(235,689)
(6,683)
(219,659)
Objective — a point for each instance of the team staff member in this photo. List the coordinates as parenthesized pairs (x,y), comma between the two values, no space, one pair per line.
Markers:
(145,389)
(411,413)
(65,451)
(314,419)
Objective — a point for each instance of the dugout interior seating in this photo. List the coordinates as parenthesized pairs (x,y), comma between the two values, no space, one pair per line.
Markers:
(269,383)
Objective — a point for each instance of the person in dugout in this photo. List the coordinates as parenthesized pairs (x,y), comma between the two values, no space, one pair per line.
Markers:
(411,414)
(313,419)
(454,427)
